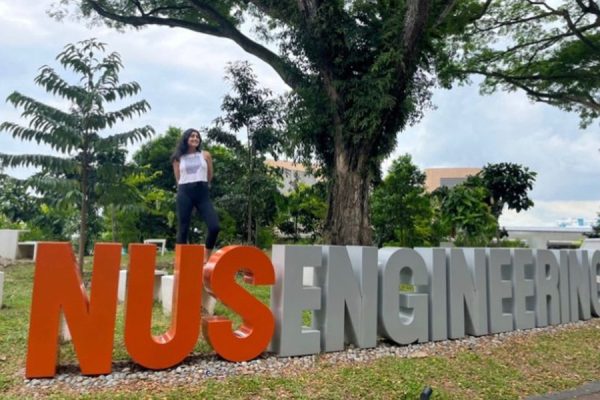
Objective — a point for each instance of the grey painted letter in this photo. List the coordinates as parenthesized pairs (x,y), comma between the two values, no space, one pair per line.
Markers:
(436,262)
(594,284)
(547,303)
(467,284)
(563,286)
(348,280)
(403,317)
(289,298)
(500,289)
(524,289)
(579,285)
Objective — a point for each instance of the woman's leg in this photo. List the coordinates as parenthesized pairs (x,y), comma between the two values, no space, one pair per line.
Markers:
(184,214)
(209,215)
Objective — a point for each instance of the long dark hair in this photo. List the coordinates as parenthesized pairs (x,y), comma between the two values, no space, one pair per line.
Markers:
(182,146)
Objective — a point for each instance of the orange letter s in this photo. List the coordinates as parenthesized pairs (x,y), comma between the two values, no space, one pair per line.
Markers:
(253,337)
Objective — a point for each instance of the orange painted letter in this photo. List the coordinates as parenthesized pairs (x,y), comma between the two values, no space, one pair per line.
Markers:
(253,337)
(57,287)
(170,348)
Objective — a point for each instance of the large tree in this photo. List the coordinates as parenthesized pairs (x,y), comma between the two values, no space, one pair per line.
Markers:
(87,165)
(362,70)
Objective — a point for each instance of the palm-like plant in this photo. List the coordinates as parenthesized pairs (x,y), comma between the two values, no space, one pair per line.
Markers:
(87,166)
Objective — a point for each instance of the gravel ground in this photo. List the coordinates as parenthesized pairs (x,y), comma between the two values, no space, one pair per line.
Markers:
(201,367)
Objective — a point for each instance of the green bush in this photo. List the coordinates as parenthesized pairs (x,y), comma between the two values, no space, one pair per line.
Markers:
(265,237)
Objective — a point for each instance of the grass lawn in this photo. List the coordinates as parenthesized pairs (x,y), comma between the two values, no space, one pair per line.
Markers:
(511,368)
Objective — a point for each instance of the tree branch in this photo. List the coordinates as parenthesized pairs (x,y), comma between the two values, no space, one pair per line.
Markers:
(223,28)
(147,19)
(547,97)
(578,32)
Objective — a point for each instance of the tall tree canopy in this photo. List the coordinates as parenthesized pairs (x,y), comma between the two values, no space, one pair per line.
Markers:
(549,49)
(251,109)
(402,213)
(89,171)
(508,184)
(362,70)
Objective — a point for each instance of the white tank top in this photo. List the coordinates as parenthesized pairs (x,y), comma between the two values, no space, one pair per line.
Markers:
(193,168)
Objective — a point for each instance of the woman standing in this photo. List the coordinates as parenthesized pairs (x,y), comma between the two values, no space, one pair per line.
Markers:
(193,172)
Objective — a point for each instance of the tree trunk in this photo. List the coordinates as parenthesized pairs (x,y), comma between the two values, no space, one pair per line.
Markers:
(348,220)
(84,214)
(114,223)
(249,189)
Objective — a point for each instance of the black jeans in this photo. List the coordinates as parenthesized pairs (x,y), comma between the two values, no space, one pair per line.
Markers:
(190,195)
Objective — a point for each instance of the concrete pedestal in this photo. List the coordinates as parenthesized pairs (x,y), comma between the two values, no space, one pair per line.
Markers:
(122,289)
(9,239)
(166,296)
(158,242)
(65,334)
(590,245)
(122,285)
(166,293)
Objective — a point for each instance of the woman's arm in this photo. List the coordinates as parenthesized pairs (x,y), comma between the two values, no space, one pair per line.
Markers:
(176,170)
(209,166)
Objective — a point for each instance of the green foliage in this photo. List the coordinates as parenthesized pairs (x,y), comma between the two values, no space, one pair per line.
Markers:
(549,50)
(229,227)
(507,184)
(251,192)
(595,230)
(15,203)
(265,237)
(156,155)
(154,217)
(303,212)
(36,215)
(7,223)
(510,243)
(90,171)
(470,218)
(401,209)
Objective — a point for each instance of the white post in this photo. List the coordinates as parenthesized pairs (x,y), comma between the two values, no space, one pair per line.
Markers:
(122,290)
(1,288)
(166,293)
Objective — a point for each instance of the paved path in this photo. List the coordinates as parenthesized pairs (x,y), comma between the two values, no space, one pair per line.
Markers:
(590,391)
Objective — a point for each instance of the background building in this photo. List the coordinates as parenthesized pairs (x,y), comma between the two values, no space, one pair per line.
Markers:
(448,177)
(293,175)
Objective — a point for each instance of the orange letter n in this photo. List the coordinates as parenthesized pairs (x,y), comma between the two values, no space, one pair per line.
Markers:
(57,287)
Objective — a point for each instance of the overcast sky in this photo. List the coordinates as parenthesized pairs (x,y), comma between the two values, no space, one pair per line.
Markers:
(181,74)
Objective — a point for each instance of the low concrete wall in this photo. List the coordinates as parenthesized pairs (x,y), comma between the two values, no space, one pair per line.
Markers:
(538,238)
(122,288)
(591,244)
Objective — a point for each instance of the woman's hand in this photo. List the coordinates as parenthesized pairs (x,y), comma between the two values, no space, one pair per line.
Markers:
(209,167)
(176,171)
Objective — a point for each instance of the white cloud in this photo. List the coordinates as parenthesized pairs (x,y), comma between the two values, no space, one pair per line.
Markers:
(549,213)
